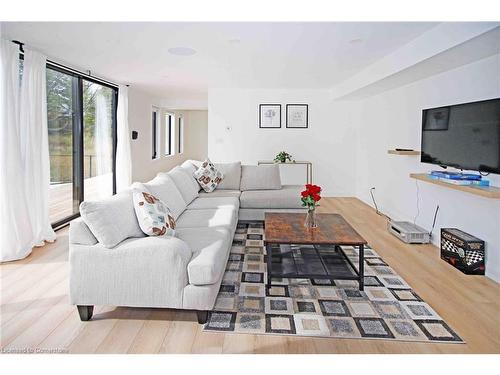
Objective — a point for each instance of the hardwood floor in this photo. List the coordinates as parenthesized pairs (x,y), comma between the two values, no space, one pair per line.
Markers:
(35,313)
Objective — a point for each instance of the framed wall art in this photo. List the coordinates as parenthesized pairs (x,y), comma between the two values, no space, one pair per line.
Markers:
(270,116)
(297,116)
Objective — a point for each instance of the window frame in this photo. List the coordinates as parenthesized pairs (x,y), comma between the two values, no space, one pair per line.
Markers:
(180,135)
(156,133)
(169,139)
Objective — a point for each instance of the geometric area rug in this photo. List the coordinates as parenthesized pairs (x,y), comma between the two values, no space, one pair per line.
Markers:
(387,309)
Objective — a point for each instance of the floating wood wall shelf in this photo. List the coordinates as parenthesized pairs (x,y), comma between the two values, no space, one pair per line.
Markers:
(399,152)
(491,192)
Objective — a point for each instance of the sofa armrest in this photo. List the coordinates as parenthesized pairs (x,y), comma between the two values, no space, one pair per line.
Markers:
(142,272)
(79,233)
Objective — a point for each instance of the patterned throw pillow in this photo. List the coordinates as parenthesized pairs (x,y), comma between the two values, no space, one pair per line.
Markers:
(153,216)
(208,176)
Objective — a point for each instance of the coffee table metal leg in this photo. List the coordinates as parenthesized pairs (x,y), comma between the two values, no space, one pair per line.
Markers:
(269,252)
(361,267)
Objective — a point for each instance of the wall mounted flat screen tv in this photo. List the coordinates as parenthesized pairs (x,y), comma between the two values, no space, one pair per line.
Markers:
(463,136)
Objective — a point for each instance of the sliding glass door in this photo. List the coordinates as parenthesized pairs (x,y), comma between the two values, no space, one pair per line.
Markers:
(81,117)
(61,103)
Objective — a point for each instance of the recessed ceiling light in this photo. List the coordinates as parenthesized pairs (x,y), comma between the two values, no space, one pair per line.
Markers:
(181,51)
(356,41)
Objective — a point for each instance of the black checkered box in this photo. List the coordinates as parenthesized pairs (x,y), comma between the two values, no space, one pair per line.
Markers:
(463,251)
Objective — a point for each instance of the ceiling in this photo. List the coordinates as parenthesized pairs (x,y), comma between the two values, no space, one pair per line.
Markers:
(476,48)
(243,55)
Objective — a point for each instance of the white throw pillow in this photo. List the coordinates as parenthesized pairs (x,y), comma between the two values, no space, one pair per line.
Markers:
(163,187)
(185,182)
(153,215)
(232,175)
(191,165)
(111,220)
(208,176)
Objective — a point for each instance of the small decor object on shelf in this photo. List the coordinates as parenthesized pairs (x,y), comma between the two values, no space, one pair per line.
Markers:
(310,198)
(283,157)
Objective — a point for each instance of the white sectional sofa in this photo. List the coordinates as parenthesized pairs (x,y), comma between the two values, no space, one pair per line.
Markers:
(113,263)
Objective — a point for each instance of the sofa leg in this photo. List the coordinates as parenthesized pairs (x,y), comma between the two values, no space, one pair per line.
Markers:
(85,312)
(202,316)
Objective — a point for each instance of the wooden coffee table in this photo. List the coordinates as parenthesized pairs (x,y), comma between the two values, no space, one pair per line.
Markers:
(293,251)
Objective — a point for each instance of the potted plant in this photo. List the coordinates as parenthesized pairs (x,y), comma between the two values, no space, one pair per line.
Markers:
(283,157)
(310,198)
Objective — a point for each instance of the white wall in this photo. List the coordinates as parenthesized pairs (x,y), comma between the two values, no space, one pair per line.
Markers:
(234,133)
(144,167)
(348,141)
(197,134)
(393,119)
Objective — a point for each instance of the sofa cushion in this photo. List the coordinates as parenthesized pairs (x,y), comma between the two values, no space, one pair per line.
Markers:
(216,217)
(210,247)
(185,182)
(232,175)
(111,220)
(208,176)
(153,215)
(287,197)
(216,202)
(191,166)
(164,188)
(260,177)
(220,193)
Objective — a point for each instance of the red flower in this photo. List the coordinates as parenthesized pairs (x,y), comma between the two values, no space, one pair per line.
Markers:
(315,189)
(312,191)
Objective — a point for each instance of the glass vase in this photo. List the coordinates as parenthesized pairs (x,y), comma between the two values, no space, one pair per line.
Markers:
(311,219)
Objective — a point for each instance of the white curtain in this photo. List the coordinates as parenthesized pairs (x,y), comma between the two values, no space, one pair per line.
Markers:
(35,144)
(16,233)
(123,152)
(102,146)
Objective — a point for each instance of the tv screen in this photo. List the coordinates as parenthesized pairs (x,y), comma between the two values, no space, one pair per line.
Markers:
(464,136)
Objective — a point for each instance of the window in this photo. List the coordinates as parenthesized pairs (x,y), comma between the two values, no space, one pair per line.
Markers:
(155,118)
(81,121)
(169,136)
(180,133)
